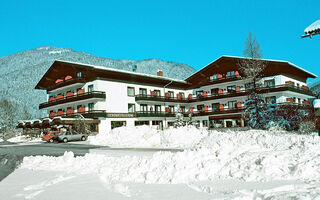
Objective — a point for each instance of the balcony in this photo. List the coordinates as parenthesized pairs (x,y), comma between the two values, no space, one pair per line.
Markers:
(60,99)
(86,114)
(194,113)
(65,82)
(225,94)
(142,97)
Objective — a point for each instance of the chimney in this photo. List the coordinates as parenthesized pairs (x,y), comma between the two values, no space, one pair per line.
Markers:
(159,72)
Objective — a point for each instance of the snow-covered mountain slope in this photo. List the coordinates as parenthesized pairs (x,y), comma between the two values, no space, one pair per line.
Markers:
(20,72)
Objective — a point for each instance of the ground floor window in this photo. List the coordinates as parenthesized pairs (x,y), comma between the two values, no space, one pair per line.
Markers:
(116,124)
(140,123)
(229,124)
(205,123)
(170,124)
(93,127)
(156,123)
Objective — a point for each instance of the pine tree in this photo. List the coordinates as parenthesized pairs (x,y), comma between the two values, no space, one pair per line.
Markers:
(179,118)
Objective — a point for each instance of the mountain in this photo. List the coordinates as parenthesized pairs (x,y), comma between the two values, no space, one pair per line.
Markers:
(20,72)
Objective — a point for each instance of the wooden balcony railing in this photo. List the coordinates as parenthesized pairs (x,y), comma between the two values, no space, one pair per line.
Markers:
(65,82)
(224,94)
(75,97)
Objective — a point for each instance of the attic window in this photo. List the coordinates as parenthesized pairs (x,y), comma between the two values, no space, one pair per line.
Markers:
(79,74)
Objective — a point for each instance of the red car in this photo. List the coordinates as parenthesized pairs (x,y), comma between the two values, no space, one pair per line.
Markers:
(52,136)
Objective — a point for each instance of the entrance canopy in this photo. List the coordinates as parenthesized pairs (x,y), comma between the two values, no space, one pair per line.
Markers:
(47,122)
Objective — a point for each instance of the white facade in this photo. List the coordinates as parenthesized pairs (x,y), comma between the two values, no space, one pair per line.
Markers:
(220,103)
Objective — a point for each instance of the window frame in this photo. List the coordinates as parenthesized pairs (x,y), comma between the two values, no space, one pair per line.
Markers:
(128,93)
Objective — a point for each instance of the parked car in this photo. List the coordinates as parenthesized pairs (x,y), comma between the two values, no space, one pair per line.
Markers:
(51,136)
(71,136)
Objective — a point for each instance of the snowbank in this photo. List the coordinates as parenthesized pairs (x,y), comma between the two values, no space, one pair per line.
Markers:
(147,137)
(23,138)
(247,156)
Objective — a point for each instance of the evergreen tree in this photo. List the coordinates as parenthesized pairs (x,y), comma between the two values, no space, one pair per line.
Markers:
(179,118)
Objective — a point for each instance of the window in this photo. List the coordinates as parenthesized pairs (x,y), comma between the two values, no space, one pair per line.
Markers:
(214,91)
(271,99)
(143,91)
(231,74)
(200,107)
(131,108)
(248,86)
(214,77)
(156,123)
(157,108)
(116,124)
(182,94)
(140,123)
(130,91)
(232,104)
(269,83)
(171,108)
(90,88)
(143,107)
(157,92)
(215,106)
(231,88)
(91,106)
(183,109)
(79,74)
(171,94)
(199,93)
(205,123)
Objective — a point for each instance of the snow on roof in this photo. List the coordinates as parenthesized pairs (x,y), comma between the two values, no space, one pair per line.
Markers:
(313,27)
(123,71)
(269,60)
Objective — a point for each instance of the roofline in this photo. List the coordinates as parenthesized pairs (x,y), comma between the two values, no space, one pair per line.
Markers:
(122,71)
(269,60)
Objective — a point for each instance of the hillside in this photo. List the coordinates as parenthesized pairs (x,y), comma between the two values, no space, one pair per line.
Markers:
(20,72)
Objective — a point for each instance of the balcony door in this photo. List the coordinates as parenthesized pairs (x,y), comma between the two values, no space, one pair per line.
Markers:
(143,91)
(143,107)
(232,104)
(157,108)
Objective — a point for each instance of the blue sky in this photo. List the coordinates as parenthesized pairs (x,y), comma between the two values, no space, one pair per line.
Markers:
(190,32)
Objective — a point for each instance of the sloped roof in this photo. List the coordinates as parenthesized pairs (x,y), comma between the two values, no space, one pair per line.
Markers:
(226,57)
(315,26)
(61,67)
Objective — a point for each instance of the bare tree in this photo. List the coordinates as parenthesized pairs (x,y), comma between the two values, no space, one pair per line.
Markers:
(252,67)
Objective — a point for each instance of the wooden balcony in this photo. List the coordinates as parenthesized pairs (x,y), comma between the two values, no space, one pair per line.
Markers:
(65,82)
(224,94)
(194,113)
(73,98)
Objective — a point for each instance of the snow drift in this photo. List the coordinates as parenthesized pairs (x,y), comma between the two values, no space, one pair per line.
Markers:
(245,155)
(147,137)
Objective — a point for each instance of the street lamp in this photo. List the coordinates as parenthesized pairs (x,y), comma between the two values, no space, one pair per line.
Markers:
(313,29)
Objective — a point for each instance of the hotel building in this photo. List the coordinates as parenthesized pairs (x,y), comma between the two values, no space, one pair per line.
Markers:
(215,95)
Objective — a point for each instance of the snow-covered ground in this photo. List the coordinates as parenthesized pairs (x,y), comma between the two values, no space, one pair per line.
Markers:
(146,137)
(24,139)
(214,165)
